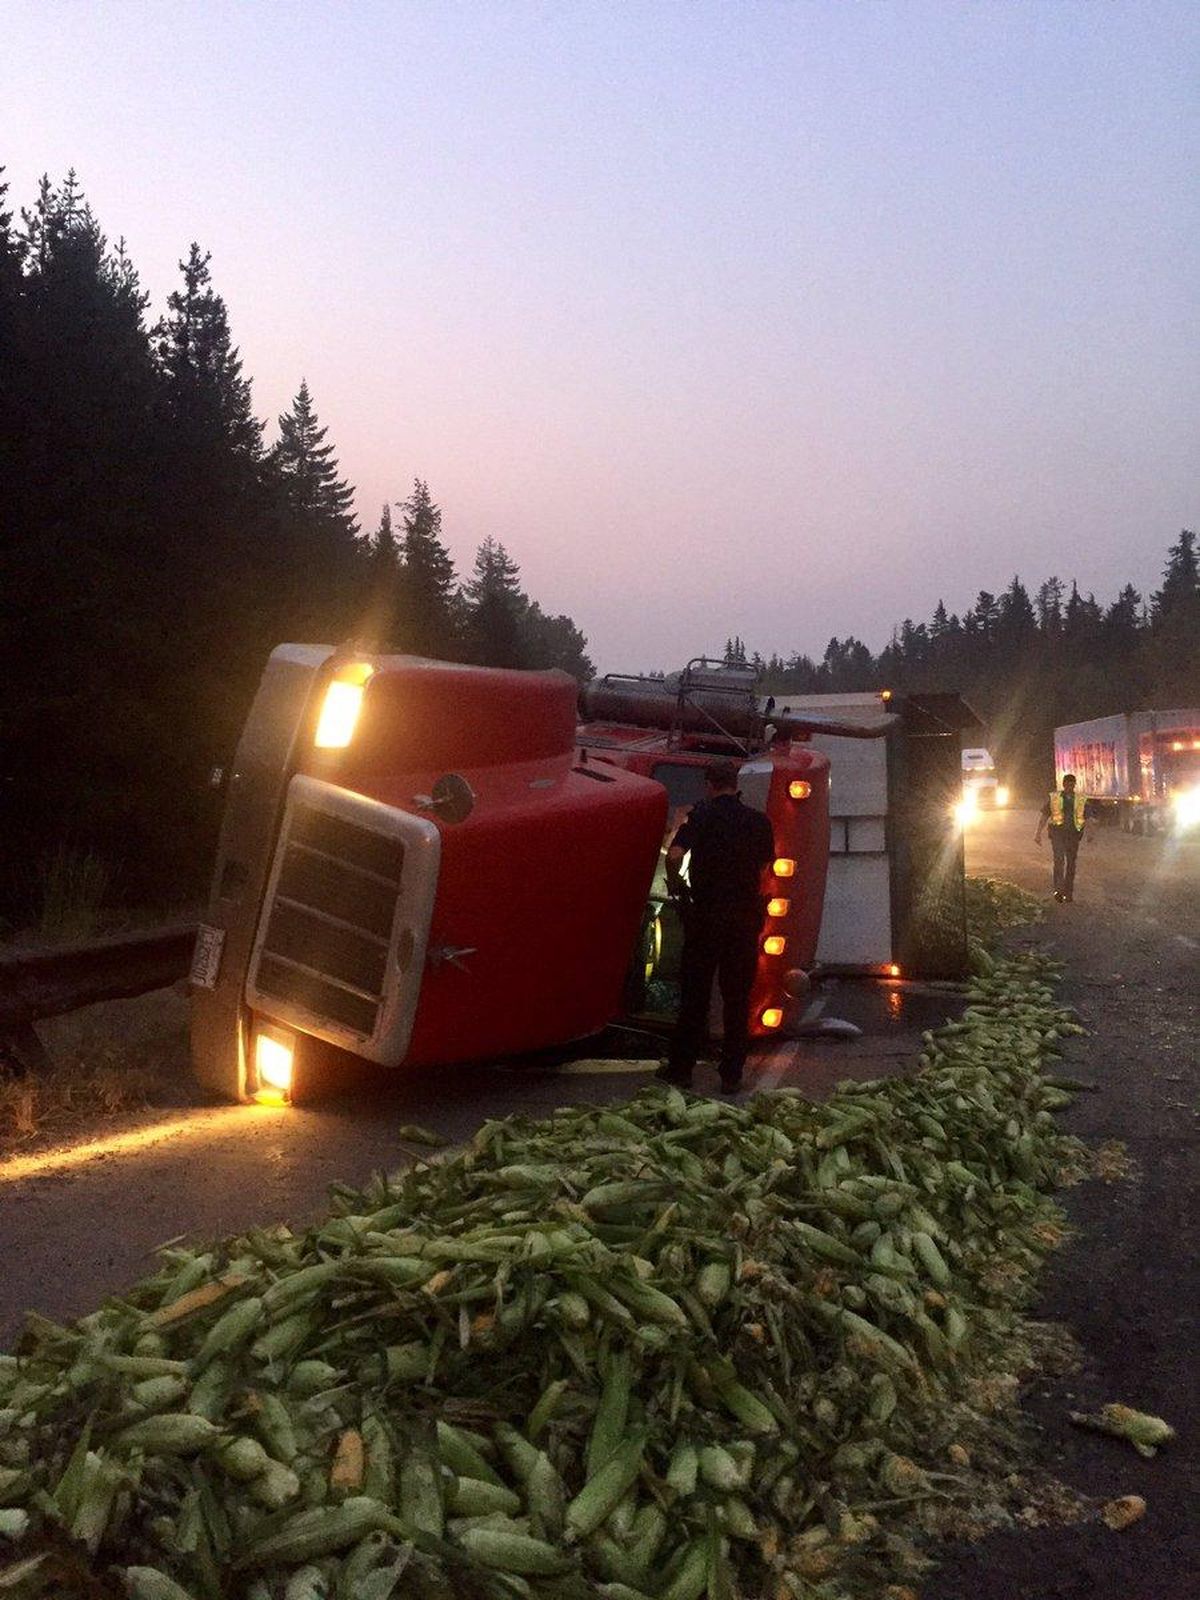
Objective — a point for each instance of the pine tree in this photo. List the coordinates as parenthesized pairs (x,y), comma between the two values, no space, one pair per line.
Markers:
(1170,660)
(208,396)
(308,467)
(1018,622)
(495,608)
(12,256)
(385,552)
(1122,622)
(1048,605)
(555,641)
(375,628)
(986,613)
(83,542)
(1180,591)
(1082,617)
(14,355)
(428,621)
(914,644)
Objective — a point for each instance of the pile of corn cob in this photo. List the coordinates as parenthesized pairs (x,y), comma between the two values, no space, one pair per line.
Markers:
(681,1348)
(993,905)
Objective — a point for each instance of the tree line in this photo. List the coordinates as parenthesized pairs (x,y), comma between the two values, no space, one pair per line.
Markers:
(155,546)
(1027,663)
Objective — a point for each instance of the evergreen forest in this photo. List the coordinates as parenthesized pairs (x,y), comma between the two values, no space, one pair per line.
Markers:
(157,540)
(1027,663)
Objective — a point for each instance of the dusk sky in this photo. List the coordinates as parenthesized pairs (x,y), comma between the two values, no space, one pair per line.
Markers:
(782,320)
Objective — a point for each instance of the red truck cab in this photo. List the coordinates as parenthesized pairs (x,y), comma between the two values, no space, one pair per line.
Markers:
(412,869)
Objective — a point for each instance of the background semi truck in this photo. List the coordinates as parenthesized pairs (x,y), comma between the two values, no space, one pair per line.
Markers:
(982,789)
(1139,768)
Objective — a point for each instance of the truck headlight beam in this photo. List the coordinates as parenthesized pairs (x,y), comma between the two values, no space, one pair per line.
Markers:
(1186,805)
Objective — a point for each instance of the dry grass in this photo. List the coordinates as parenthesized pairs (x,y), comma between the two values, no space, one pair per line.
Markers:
(106,1060)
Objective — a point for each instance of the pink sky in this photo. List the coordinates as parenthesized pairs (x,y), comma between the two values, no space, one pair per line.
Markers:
(777,320)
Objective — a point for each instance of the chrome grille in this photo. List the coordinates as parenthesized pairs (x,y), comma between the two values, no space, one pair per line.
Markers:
(328,927)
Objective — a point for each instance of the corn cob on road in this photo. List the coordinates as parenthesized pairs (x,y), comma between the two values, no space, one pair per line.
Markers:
(76,1225)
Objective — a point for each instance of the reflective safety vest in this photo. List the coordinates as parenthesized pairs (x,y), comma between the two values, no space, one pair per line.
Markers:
(1056,809)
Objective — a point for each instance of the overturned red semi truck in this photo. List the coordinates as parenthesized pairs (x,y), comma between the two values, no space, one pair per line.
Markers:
(422,863)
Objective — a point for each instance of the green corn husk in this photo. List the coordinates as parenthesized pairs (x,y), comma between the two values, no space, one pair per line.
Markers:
(1144,1432)
(638,1352)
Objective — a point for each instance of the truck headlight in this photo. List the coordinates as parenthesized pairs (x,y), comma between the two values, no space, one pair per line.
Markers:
(965,811)
(1002,796)
(274,1058)
(1187,807)
(341,705)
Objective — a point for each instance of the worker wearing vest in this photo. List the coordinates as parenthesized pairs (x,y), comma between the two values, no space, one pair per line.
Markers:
(1064,815)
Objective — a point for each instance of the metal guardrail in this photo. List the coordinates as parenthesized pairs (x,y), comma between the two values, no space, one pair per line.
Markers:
(35,984)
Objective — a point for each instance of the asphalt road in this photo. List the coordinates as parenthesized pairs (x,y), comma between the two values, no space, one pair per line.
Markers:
(1128,1286)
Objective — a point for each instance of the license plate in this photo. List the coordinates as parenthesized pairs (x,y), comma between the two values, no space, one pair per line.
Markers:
(206,961)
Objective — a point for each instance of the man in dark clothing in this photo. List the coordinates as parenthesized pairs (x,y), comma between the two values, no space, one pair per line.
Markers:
(730,846)
(1065,813)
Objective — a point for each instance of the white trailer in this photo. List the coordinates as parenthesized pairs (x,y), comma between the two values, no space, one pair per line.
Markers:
(856,927)
(1138,768)
(895,848)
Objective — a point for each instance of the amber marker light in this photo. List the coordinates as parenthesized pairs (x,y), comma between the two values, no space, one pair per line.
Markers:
(893,970)
(885,694)
(774,945)
(772,1017)
(341,706)
(784,867)
(799,789)
(274,1057)
(778,907)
